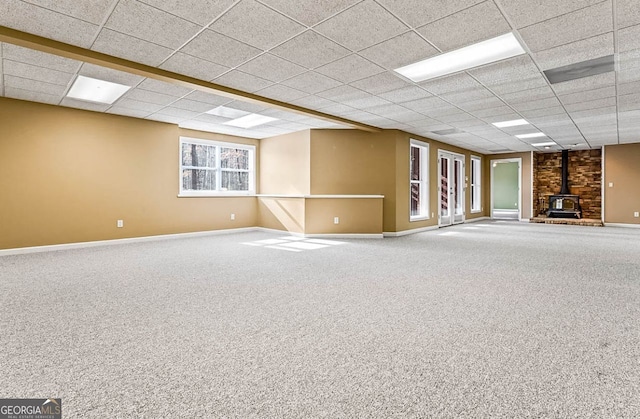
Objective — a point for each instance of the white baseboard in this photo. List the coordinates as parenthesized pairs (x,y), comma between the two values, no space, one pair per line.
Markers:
(323,235)
(407,232)
(475,220)
(80,245)
(275,230)
(622,225)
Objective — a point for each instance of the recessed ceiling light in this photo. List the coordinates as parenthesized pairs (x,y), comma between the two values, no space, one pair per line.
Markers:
(548,143)
(485,52)
(227,112)
(513,123)
(94,90)
(532,135)
(250,120)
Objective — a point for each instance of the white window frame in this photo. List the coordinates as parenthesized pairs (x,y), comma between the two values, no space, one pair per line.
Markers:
(423,182)
(218,169)
(477,185)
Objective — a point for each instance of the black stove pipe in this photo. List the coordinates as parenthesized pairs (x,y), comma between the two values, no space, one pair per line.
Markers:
(565,173)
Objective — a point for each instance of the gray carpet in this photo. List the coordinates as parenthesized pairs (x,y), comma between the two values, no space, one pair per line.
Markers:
(494,319)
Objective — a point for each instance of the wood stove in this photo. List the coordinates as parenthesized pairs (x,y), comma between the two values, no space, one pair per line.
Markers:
(564,205)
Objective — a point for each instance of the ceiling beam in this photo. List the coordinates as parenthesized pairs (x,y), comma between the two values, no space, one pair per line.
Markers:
(50,46)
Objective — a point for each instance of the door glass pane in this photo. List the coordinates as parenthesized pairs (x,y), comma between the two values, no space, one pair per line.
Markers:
(457,185)
(415,199)
(444,186)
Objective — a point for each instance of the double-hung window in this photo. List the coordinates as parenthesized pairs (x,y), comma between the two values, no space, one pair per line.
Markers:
(419,180)
(209,168)
(476,180)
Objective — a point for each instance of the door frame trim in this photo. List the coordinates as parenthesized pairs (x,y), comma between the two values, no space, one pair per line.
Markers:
(509,160)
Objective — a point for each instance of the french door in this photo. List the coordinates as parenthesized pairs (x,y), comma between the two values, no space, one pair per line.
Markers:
(451,188)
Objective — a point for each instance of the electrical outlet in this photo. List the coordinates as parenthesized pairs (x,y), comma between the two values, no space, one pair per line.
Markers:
(432,215)
(336,220)
(611,184)
(233,217)
(120,223)
(636,214)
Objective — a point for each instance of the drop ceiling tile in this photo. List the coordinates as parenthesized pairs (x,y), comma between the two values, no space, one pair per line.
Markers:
(80,104)
(164,88)
(220,49)
(416,14)
(29,18)
(271,68)
(591,104)
(247,106)
(629,61)
(585,84)
(242,81)
(40,59)
(589,113)
(407,48)
(628,38)
(628,88)
(314,102)
(210,119)
(407,117)
(628,13)
(207,98)
(455,83)
(32,96)
(177,113)
(354,27)
(628,102)
(538,93)
(34,85)
(309,12)
(488,112)
(575,52)
(467,26)
(443,111)
(310,49)
(150,97)
(342,93)
(513,70)
(94,11)
(349,69)
(454,118)
(470,123)
(107,74)
(515,86)
(366,101)
(525,13)
(257,25)
(390,110)
(536,104)
(628,76)
(28,71)
(425,105)
(381,83)
(201,12)
(405,94)
(468,95)
(482,104)
(195,67)
(588,120)
(565,29)
(165,118)
(137,105)
(191,105)
(130,48)
(142,21)
(134,113)
(282,93)
(537,113)
(311,82)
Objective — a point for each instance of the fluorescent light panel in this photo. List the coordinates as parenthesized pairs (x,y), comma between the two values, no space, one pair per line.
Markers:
(532,135)
(485,52)
(226,112)
(94,90)
(513,123)
(251,120)
(548,143)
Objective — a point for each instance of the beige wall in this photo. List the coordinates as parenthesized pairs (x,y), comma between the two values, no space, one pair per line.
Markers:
(356,216)
(622,167)
(525,191)
(285,163)
(351,162)
(287,214)
(67,175)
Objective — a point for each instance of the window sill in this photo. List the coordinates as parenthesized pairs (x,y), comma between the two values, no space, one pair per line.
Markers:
(476,212)
(412,219)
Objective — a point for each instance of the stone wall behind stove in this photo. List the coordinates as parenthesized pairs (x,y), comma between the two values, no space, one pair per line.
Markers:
(585,179)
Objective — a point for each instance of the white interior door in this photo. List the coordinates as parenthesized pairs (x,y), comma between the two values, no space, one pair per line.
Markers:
(451,188)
